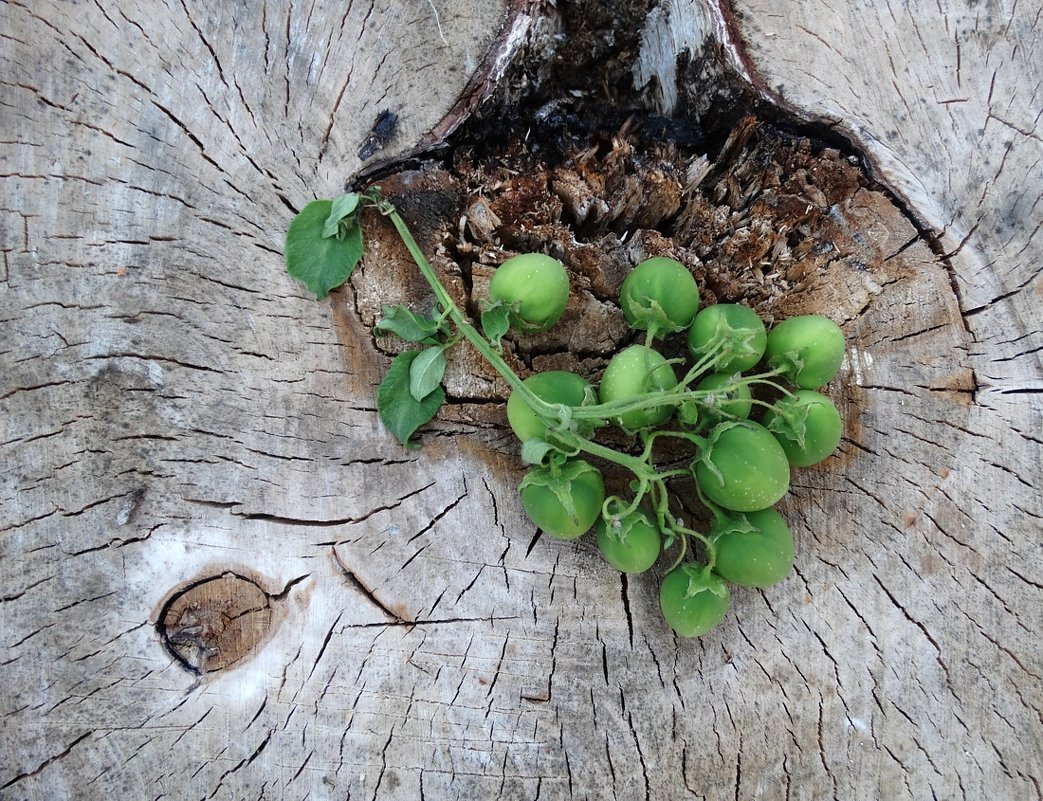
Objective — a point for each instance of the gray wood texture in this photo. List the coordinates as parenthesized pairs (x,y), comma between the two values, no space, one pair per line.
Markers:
(176,412)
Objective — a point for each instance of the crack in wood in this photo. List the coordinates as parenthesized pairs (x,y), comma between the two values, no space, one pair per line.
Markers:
(30,774)
(833,517)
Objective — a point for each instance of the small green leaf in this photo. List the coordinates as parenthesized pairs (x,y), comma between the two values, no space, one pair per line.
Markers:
(320,263)
(408,325)
(706,451)
(618,527)
(399,411)
(564,417)
(343,207)
(653,319)
(534,451)
(614,529)
(496,322)
(426,371)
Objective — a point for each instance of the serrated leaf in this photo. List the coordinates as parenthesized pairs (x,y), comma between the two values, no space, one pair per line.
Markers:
(399,411)
(320,263)
(496,322)
(408,325)
(426,371)
(343,207)
(534,451)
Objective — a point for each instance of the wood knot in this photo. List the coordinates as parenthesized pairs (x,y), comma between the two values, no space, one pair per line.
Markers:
(213,623)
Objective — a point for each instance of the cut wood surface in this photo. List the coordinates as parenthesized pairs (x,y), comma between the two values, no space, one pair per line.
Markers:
(222,579)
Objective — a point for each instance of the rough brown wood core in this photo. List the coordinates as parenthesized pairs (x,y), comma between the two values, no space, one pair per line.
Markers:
(777,221)
(216,622)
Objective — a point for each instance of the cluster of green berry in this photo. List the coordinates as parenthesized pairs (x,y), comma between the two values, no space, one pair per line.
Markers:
(739,468)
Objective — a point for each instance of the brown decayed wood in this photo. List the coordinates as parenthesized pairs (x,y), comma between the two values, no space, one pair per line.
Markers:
(215,622)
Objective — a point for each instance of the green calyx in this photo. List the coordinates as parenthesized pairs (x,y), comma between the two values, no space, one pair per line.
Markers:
(701,578)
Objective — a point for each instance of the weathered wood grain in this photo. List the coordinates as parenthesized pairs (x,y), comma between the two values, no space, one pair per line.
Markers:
(174,408)
(941,575)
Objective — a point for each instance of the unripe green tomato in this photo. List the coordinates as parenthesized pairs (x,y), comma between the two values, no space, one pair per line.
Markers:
(538,284)
(740,325)
(634,546)
(752,471)
(586,491)
(690,616)
(757,558)
(822,427)
(816,342)
(737,401)
(661,295)
(553,386)
(632,373)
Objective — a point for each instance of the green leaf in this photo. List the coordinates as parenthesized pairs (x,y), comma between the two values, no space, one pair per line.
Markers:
(426,371)
(408,325)
(496,322)
(534,451)
(706,451)
(619,526)
(399,411)
(653,319)
(319,262)
(343,207)
(614,529)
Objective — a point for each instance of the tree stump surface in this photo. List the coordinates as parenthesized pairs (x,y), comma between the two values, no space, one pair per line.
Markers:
(223,579)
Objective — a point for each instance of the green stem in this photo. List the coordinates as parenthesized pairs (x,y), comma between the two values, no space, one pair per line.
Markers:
(765,404)
(672,397)
(695,439)
(615,506)
(636,465)
(705,363)
(680,556)
(540,406)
